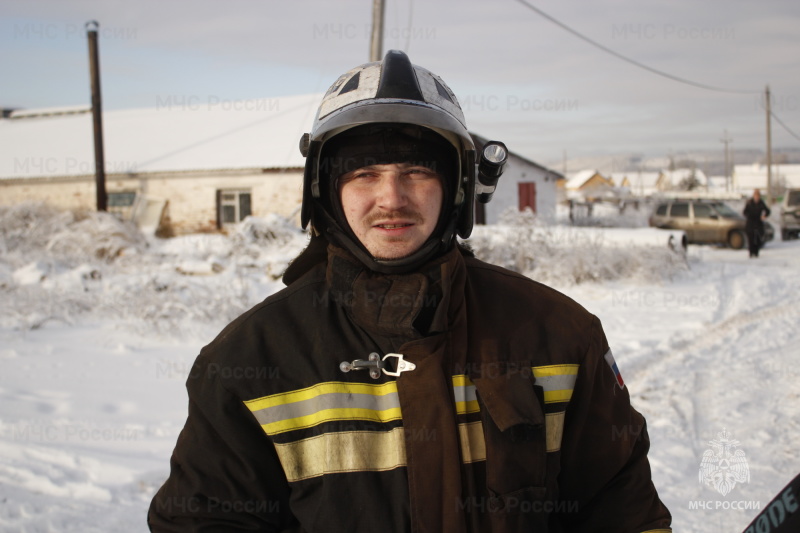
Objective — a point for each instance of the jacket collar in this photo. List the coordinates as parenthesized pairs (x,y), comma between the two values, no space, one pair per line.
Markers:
(396,305)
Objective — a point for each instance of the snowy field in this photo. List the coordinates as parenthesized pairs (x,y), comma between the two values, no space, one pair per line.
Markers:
(99,328)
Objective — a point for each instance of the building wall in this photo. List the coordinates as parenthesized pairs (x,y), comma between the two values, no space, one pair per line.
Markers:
(506,196)
(191,196)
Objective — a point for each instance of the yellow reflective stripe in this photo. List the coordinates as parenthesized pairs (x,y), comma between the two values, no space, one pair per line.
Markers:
(463,408)
(473,445)
(558,381)
(330,415)
(325,402)
(464,393)
(337,401)
(556,396)
(555,370)
(319,389)
(461,380)
(349,451)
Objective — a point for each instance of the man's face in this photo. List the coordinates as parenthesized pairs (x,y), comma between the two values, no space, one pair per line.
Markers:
(393,208)
(756,195)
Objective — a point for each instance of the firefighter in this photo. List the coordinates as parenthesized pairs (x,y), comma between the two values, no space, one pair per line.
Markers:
(398,383)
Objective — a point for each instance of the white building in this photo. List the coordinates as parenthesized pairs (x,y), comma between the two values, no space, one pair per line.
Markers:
(189,166)
(186,166)
(749,177)
(524,184)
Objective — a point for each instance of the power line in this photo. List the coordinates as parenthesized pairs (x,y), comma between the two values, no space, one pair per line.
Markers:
(779,121)
(646,67)
(629,60)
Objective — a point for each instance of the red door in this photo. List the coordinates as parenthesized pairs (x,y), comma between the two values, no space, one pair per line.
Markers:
(527,195)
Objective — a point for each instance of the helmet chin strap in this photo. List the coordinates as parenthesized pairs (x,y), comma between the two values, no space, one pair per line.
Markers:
(430,249)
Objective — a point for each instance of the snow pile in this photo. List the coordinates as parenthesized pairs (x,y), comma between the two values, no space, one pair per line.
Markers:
(59,266)
(91,408)
(28,232)
(564,255)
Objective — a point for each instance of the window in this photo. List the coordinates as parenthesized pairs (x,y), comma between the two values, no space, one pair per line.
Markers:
(680,209)
(702,211)
(662,210)
(233,206)
(725,210)
(121,199)
(120,203)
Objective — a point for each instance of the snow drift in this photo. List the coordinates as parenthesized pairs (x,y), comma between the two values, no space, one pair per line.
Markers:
(99,329)
(58,266)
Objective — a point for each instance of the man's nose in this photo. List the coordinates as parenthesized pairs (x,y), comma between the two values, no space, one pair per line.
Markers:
(392,193)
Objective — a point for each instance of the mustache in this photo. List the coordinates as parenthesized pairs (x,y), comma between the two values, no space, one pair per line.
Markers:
(405,214)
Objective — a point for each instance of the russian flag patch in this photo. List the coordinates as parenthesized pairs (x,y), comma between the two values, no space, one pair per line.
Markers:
(609,357)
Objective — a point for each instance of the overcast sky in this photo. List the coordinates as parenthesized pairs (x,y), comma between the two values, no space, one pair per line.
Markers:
(520,78)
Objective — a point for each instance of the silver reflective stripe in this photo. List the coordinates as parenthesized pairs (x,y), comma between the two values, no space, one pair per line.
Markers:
(553,383)
(367,88)
(465,393)
(322,402)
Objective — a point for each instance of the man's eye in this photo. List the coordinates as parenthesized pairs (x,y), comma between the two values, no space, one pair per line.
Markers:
(420,172)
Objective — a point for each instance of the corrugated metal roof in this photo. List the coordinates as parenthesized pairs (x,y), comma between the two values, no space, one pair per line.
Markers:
(181,134)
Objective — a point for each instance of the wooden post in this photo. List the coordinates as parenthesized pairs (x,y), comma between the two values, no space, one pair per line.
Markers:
(769,148)
(726,140)
(97,116)
(376,42)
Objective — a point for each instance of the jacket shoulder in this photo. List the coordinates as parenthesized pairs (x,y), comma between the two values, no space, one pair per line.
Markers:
(499,283)
(272,314)
(531,319)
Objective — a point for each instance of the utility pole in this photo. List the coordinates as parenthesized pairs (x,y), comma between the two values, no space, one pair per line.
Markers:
(769,148)
(97,116)
(725,140)
(376,42)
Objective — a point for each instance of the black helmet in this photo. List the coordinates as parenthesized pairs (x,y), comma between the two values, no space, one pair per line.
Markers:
(411,107)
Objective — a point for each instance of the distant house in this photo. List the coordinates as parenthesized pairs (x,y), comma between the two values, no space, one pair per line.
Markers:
(524,184)
(189,166)
(640,184)
(588,185)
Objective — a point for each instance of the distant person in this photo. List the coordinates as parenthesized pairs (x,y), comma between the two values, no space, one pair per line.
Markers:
(755,211)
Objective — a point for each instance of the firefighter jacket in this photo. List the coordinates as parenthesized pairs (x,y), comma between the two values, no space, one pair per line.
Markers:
(513,418)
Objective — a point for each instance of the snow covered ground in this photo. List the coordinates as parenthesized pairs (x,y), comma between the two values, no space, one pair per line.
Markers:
(96,341)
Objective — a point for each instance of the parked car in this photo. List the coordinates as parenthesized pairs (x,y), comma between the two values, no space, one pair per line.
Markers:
(705,222)
(790,215)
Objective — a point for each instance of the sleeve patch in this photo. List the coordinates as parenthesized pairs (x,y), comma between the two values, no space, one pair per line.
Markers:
(609,357)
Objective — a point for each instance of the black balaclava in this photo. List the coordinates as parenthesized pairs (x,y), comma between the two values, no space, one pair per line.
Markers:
(378,144)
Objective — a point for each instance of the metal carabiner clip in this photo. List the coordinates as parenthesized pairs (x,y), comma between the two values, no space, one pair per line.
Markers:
(376,365)
(402,365)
